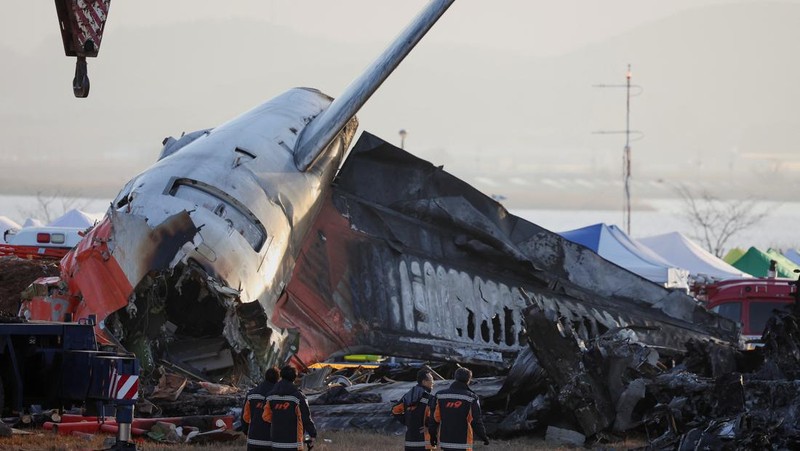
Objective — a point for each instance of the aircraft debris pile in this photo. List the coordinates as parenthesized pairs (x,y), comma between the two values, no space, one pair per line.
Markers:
(176,395)
(579,382)
(712,397)
(373,413)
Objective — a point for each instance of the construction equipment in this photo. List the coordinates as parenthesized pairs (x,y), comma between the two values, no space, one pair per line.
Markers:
(53,365)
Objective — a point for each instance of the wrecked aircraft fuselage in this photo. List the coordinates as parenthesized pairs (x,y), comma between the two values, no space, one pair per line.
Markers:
(408,260)
(402,259)
(239,241)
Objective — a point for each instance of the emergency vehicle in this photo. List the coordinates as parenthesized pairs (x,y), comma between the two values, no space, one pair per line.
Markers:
(47,364)
(40,242)
(751,302)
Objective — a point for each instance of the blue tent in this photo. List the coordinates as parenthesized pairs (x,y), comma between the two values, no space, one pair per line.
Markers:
(616,246)
(793,255)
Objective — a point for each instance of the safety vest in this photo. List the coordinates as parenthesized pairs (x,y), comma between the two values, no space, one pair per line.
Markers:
(287,411)
(415,411)
(458,414)
(258,431)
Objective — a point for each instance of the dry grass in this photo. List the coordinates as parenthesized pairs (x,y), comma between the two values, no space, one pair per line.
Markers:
(41,441)
(46,441)
(357,441)
(327,441)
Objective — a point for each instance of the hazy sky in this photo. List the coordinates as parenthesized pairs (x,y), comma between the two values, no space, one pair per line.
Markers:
(531,27)
(497,91)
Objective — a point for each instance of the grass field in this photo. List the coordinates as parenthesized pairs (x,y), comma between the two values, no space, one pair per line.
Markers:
(327,441)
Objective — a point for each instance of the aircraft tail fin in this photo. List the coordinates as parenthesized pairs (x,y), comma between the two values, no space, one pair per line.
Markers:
(324,128)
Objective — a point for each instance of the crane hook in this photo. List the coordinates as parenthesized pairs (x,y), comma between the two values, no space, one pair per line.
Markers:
(80,84)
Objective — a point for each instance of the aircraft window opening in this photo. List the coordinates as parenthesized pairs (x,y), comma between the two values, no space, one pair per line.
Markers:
(124,197)
(485,331)
(587,329)
(508,324)
(123,202)
(233,212)
(497,329)
(470,324)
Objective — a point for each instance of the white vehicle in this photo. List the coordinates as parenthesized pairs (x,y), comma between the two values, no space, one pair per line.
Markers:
(40,242)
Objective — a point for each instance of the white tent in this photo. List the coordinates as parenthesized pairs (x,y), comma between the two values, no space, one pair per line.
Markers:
(76,218)
(616,246)
(32,222)
(680,251)
(5,225)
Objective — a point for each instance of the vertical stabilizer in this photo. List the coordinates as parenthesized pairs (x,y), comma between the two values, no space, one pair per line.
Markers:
(321,131)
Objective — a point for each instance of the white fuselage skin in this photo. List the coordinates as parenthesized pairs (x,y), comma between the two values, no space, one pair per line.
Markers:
(246,165)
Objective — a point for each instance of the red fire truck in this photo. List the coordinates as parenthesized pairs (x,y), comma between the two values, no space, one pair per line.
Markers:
(750,301)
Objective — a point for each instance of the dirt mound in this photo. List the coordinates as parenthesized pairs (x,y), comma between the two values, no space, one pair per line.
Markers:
(16,274)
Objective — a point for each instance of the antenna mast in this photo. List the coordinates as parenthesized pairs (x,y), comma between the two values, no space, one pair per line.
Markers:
(626,157)
(626,154)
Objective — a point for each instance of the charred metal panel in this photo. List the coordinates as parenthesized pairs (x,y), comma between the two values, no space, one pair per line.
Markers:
(406,259)
(353,293)
(750,403)
(382,175)
(599,377)
(139,248)
(391,392)
(372,417)
(560,352)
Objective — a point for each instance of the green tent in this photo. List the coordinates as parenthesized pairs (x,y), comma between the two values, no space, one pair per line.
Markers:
(733,255)
(756,263)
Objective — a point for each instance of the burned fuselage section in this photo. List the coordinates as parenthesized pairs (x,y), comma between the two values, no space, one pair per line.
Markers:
(402,259)
(405,259)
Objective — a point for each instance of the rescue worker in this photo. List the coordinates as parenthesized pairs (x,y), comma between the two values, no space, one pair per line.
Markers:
(458,414)
(287,411)
(415,410)
(258,431)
